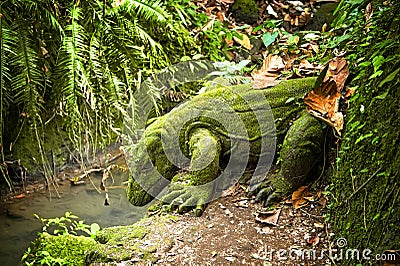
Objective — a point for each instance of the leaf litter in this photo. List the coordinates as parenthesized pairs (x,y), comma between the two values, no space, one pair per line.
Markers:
(217,238)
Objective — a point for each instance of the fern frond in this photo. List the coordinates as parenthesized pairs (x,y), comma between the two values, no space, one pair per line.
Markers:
(147,10)
(6,51)
(72,79)
(28,80)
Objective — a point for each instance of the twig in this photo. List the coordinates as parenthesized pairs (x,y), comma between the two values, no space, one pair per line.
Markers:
(361,187)
(88,172)
(311,215)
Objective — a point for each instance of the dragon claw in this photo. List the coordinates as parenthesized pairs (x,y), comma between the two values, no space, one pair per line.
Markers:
(273,198)
(266,192)
(185,199)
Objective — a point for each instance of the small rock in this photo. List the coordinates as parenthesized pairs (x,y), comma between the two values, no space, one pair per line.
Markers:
(231,259)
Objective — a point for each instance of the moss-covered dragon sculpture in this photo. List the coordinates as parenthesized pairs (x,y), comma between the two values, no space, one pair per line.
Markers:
(211,149)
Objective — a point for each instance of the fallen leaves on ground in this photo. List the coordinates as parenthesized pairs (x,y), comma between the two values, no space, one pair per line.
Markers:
(301,197)
(268,217)
(269,72)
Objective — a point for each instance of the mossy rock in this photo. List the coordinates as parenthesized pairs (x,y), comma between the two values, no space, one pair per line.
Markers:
(245,11)
(323,15)
(112,245)
(64,249)
(120,234)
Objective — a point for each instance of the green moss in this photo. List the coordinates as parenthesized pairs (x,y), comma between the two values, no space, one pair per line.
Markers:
(206,141)
(136,194)
(365,181)
(113,244)
(369,158)
(70,249)
(246,11)
(300,154)
(324,15)
(120,234)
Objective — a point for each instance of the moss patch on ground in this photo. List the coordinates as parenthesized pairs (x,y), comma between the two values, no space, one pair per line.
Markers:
(136,242)
(61,249)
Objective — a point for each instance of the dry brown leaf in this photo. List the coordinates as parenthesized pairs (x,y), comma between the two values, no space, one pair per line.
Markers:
(20,196)
(261,81)
(313,241)
(323,102)
(244,42)
(304,64)
(339,71)
(266,76)
(268,217)
(231,191)
(229,42)
(289,60)
(272,64)
(323,202)
(210,9)
(220,16)
(280,4)
(228,1)
(314,47)
(287,18)
(299,197)
(349,92)
(249,30)
(310,198)
(319,225)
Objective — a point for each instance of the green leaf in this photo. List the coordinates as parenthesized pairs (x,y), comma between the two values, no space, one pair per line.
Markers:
(376,74)
(377,62)
(376,216)
(355,2)
(363,137)
(389,78)
(269,38)
(321,77)
(257,28)
(365,64)
(382,96)
(242,64)
(94,229)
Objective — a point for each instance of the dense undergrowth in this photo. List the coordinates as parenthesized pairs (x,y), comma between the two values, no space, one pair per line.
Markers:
(69,68)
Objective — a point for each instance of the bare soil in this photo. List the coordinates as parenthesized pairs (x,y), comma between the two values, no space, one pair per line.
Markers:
(228,234)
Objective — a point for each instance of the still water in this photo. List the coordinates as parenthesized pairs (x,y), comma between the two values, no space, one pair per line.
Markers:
(18,226)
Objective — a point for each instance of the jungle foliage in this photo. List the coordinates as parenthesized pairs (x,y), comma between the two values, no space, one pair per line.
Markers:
(70,67)
(365,182)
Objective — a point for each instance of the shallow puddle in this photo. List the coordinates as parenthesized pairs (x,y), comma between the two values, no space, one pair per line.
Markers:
(18,226)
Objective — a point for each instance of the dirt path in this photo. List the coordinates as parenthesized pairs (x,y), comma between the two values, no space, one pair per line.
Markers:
(228,234)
